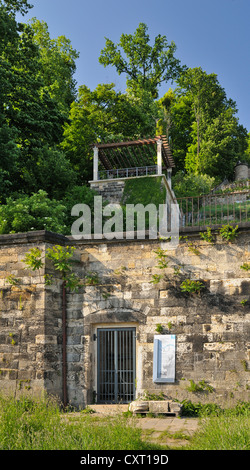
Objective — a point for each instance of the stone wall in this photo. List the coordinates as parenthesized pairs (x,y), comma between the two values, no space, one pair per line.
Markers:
(211,327)
(30,335)
(110,190)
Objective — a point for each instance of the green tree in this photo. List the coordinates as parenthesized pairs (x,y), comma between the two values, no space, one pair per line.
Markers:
(145,66)
(105,115)
(204,133)
(57,62)
(9,150)
(222,146)
(208,98)
(31,123)
(247,151)
(175,121)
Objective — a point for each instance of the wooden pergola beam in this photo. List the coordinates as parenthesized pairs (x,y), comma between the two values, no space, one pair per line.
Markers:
(142,151)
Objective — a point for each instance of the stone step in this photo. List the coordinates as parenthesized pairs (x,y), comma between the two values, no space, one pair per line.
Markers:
(110,409)
(156,407)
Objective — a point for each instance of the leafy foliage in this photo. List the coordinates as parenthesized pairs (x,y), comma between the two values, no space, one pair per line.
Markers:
(245,266)
(31,120)
(228,232)
(36,212)
(146,66)
(14,6)
(57,60)
(191,286)
(201,122)
(33,259)
(191,184)
(104,115)
(208,236)
(62,261)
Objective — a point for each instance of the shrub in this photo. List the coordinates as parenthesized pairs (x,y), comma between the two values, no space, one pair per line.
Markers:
(192,185)
(36,212)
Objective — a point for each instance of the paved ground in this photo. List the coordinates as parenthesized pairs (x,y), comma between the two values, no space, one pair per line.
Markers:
(169,430)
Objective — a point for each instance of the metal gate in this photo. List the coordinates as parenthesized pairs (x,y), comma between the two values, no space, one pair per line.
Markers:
(115,365)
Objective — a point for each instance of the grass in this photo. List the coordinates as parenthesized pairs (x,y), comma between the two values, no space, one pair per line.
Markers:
(39,424)
(222,433)
(221,429)
(29,424)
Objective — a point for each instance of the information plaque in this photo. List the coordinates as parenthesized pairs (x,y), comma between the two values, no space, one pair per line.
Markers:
(164,359)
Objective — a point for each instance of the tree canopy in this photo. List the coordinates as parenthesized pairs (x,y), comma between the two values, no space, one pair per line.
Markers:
(145,66)
(14,6)
(203,129)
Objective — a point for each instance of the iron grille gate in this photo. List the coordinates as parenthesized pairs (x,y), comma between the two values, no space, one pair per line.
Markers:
(115,365)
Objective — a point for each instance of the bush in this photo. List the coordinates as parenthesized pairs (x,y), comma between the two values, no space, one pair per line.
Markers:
(36,212)
(191,185)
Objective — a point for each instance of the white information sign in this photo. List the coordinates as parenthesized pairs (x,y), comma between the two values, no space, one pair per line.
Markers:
(164,358)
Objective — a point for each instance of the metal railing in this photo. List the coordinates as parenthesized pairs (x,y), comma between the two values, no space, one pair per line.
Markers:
(214,209)
(127,172)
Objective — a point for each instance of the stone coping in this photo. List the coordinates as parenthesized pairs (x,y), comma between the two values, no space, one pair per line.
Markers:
(43,236)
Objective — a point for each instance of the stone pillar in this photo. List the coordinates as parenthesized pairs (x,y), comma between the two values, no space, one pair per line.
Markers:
(169,177)
(159,157)
(95,167)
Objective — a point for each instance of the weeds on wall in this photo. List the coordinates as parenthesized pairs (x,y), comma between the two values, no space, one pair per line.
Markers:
(161,256)
(61,258)
(33,259)
(91,279)
(202,386)
(208,236)
(193,249)
(228,232)
(192,287)
(159,328)
(156,278)
(12,280)
(245,266)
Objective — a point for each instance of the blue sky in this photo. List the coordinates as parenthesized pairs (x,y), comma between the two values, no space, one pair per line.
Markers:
(214,35)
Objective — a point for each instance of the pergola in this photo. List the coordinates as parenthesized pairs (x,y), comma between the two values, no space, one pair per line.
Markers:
(132,158)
